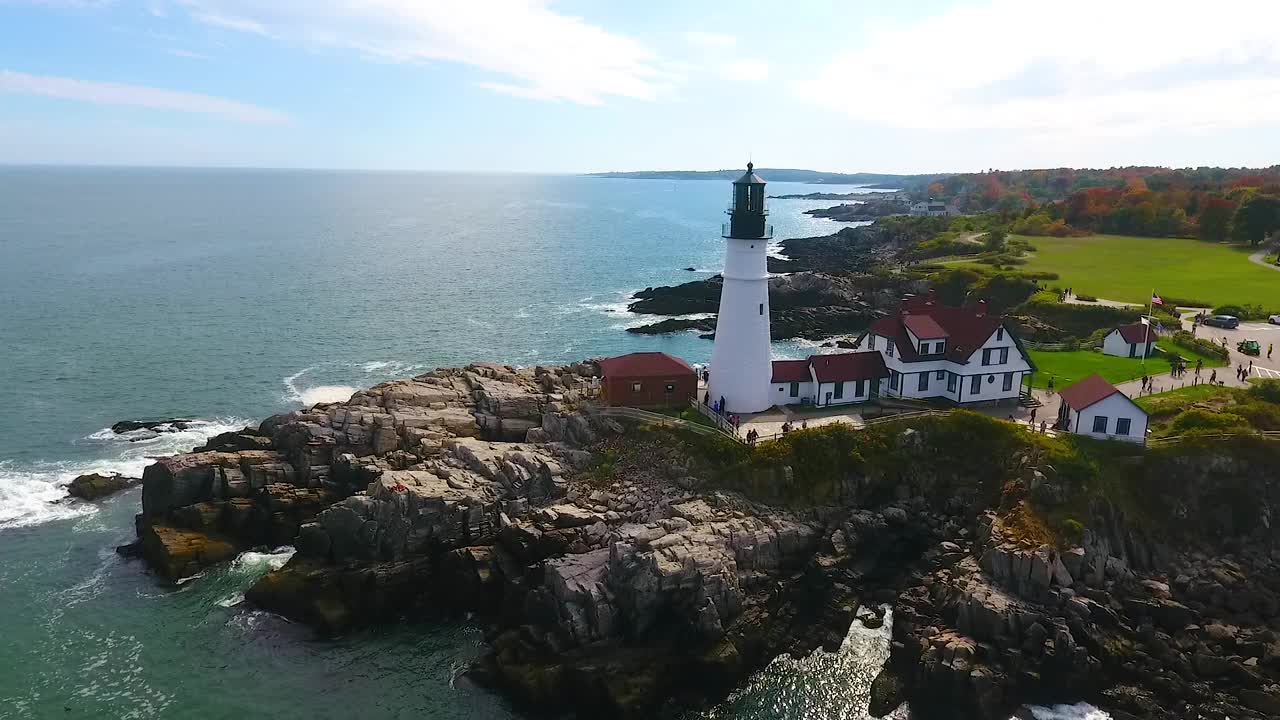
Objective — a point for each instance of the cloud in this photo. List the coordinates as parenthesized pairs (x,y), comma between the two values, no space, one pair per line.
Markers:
(134,95)
(531,50)
(1096,68)
(710,39)
(745,70)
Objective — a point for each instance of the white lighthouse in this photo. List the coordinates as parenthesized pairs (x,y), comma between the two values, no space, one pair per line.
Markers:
(740,359)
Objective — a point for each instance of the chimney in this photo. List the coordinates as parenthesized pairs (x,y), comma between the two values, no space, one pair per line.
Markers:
(982,308)
(933,295)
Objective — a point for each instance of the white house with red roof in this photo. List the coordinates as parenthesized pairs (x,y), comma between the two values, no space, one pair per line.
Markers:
(1095,408)
(963,354)
(1133,341)
(835,379)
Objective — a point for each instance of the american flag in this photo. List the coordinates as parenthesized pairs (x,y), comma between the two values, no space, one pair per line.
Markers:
(1155,299)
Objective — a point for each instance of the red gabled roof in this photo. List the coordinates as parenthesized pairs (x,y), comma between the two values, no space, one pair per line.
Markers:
(924,327)
(849,366)
(1088,391)
(645,364)
(785,371)
(966,328)
(1136,334)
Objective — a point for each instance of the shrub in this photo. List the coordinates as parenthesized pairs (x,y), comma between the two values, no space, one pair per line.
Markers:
(1266,391)
(1244,312)
(1170,300)
(1190,342)
(1197,420)
(1086,298)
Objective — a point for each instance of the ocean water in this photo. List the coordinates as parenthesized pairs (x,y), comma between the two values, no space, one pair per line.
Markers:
(227,295)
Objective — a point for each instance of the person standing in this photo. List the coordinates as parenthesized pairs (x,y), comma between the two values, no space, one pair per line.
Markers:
(1269,350)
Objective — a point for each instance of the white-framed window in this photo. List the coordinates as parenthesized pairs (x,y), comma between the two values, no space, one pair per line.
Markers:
(924,348)
(888,349)
(1000,333)
(795,389)
(923,383)
(1004,355)
(951,382)
(1100,424)
(986,356)
(1008,382)
(839,393)
(1122,426)
(939,347)
(861,389)
(975,385)
(941,374)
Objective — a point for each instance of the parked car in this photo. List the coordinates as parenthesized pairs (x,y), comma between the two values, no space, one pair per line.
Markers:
(1249,347)
(1229,322)
(1274,319)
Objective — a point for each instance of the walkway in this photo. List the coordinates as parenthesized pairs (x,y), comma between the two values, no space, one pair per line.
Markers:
(1259,258)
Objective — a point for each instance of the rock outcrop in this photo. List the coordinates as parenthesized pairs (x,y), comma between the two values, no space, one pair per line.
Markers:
(95,486)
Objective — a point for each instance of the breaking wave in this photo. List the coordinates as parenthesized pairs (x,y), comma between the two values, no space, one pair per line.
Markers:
(36,493)
(308,396)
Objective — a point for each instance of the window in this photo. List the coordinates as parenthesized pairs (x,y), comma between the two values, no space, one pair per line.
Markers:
(873,342)
(939,346)
(923,383)
(1000,333)
(941,374)
(1122,426)
(888,349)
(924,348)
(670,389)
(1004,355)
(893,379)
(1008,382)
(839,390)
(975,384)
(951,382)
(1100,424)
(986,356)
(635,387)
(761,308)
(861,389)
(795,389)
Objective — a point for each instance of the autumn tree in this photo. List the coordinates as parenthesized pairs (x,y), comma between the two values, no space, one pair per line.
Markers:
(1215,218)
(1256,218)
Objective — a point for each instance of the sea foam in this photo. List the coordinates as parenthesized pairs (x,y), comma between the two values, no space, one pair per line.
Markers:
(308,396)
(36,493)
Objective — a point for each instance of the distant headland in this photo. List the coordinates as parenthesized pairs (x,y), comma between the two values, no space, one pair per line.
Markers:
(878,180)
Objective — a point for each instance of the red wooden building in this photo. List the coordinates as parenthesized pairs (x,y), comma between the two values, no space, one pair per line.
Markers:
(648,380)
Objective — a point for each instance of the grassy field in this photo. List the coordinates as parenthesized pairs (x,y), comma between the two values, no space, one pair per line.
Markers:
(1069,366)
(1117,267)
(1191,355)
(1175,400)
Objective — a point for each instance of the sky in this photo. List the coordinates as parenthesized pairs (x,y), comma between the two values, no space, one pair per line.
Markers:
(597,85)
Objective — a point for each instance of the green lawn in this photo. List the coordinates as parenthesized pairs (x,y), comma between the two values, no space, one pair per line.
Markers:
(1191,355)
(1118,267)
(1068,367)
(1174,400)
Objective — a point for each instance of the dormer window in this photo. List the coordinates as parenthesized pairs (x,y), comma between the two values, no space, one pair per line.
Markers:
(940,346)
(924,348)
(889,348)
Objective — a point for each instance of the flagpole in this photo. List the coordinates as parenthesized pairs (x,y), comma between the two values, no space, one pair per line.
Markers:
(1146,333)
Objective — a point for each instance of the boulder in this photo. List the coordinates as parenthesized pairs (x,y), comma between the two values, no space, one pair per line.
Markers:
(94,486)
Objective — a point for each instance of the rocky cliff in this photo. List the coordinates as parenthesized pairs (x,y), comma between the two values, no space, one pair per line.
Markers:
(621,570)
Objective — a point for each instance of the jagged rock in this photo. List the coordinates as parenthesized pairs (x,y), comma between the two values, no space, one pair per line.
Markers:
(177,553)
(94,486)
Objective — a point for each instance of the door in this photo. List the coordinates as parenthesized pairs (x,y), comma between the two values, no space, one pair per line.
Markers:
(1133,350)
(828,400)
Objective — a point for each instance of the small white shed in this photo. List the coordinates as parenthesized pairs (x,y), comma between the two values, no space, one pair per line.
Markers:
(1097,409)
(1133,341)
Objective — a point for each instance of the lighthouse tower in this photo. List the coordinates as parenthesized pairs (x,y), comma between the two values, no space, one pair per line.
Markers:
(740,360)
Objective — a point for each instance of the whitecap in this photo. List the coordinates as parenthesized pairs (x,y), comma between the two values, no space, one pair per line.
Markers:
(1079,711)
(318,394)
(36,493)
(232,600)
(252,560)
